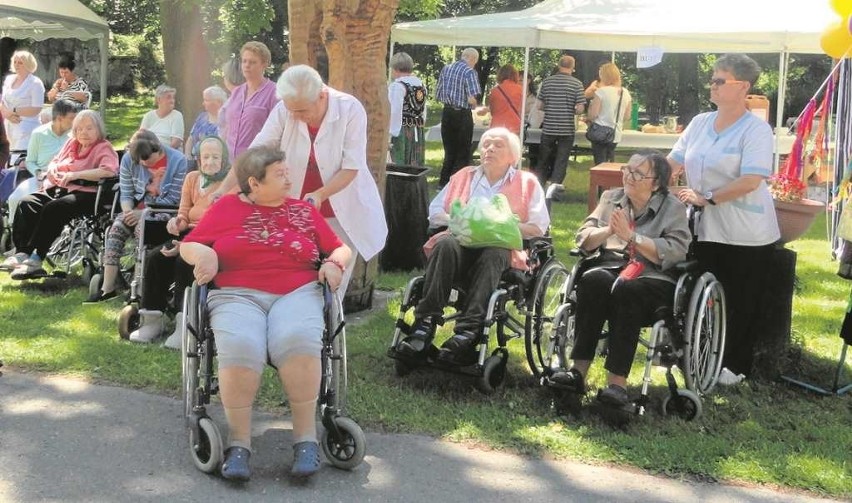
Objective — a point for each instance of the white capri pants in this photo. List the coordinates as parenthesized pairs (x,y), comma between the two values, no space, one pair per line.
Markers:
(252,327)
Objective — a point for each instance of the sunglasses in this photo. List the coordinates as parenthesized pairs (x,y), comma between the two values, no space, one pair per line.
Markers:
(722,82)
(635,175)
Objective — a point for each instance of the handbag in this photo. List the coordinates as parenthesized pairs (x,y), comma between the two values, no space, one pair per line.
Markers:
(597,133)
(483,223)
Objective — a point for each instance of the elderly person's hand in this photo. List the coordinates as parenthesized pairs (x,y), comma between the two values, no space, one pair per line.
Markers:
(63,178)
(620,224)
(689,196)
(315,198)
(206,266)
(176,225)
(174,251)
(130,218)
(331,272)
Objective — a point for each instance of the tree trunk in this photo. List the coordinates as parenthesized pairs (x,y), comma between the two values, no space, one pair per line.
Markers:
(355,36)
(688,87)
(186,56)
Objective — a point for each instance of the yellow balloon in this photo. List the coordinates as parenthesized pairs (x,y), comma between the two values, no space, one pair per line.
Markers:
(842,7)
(836,40)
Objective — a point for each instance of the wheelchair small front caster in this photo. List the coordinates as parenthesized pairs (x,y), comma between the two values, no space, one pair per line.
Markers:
(347,451)
(206,446)
(128,321)
(686,405)
(493,372)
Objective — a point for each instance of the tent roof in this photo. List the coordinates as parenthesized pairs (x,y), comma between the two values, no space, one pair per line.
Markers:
(43,19)
(624,25)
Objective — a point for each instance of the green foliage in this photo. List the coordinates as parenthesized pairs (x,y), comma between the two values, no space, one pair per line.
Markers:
(129,17)
(418,9)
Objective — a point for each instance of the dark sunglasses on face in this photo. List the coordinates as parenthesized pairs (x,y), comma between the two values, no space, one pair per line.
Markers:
(722,82)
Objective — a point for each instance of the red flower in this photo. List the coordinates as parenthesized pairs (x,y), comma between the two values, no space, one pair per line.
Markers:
(787,188)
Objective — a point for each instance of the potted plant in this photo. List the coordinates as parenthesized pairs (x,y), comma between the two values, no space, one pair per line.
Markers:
(795,212)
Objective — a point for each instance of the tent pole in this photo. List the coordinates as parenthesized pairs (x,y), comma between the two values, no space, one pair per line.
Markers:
(103,43)
(783,63)
(524,90)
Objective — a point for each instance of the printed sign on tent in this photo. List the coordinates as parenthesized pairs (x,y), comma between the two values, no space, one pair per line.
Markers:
(646,57)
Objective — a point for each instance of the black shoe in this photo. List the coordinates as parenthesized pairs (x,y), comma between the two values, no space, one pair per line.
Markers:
(419,340)
(460,349)
(571,380)
(236,464)
(614,396)
(100,297)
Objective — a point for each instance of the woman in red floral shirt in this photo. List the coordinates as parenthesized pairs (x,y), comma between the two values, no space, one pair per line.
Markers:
(263,249)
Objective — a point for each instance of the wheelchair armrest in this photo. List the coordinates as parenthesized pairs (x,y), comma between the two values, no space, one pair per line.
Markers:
(161,207)
(687,266)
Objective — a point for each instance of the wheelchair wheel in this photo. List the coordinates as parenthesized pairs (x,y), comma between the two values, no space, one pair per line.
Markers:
(493,372)
(705,334)
(686,405)
(95,283)
(128,321)
(206,450)
(545,333)
(348,451)
(67,251)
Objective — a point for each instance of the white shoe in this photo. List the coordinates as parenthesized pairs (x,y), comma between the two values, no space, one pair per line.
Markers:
(150,326)
(728,378)
(13,261)
(174,340)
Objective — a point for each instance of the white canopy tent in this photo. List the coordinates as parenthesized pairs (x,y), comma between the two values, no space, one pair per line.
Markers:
(675,26)
(43,19)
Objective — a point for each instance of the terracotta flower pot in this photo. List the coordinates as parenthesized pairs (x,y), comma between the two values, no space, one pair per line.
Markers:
(794,219)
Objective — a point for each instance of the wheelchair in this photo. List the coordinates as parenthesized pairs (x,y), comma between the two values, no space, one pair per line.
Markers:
(690,335)
(342,439)
(527,290)
(10,178)
(132,266)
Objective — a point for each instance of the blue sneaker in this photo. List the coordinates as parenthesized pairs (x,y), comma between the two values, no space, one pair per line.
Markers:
(236,464)
(306,460)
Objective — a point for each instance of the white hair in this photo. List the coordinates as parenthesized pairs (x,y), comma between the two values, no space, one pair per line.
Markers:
(511,138)
(299,82)
(216,93)
(470,54)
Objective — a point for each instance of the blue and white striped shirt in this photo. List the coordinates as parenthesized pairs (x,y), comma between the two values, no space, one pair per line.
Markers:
(134,178)
(456,84)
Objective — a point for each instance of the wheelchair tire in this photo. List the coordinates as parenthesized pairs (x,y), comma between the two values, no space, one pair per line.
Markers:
(545,335)
(348,452)
(206,450)
(95,283)
(686,405)
(705,334)
(493,372)
(128,321)
(189,374)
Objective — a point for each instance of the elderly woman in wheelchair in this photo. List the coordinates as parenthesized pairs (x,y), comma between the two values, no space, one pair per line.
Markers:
(69,190)
(477,270)
(639,233)
(264,251)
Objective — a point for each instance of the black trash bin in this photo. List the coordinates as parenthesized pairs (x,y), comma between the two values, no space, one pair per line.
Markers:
(407,215)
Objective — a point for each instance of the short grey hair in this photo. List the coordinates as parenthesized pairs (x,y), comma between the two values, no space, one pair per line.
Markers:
(740,65)
(512,138)
(402,62)
(95,117)
(215,93)
(470,54)
(252,164)
(299,82)
(162,90)
(232,72)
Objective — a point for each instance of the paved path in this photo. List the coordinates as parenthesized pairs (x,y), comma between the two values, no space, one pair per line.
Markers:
(67,440)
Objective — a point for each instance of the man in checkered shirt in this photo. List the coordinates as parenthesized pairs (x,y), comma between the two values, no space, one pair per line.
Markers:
(458,87)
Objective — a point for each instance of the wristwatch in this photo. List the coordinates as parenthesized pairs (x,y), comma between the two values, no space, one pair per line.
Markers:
(638,238)
(709,197)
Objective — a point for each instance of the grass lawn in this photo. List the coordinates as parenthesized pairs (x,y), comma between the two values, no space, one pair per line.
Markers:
(762,432)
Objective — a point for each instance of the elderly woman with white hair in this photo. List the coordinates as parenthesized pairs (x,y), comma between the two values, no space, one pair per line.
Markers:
(22,99)
(207,122)
(324,133)
(165,121)
(68,191)
(478,270)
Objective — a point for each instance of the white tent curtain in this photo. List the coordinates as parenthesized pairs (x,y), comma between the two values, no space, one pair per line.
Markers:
(43,19)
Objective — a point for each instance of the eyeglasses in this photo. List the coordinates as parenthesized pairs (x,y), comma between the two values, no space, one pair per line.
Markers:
(722,82)
(636,176)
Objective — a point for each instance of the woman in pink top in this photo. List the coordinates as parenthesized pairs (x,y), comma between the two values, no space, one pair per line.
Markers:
(250,102)
(69,190)
(264,251)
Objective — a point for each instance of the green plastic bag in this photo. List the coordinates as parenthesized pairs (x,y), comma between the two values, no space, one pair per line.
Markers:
(483,223)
